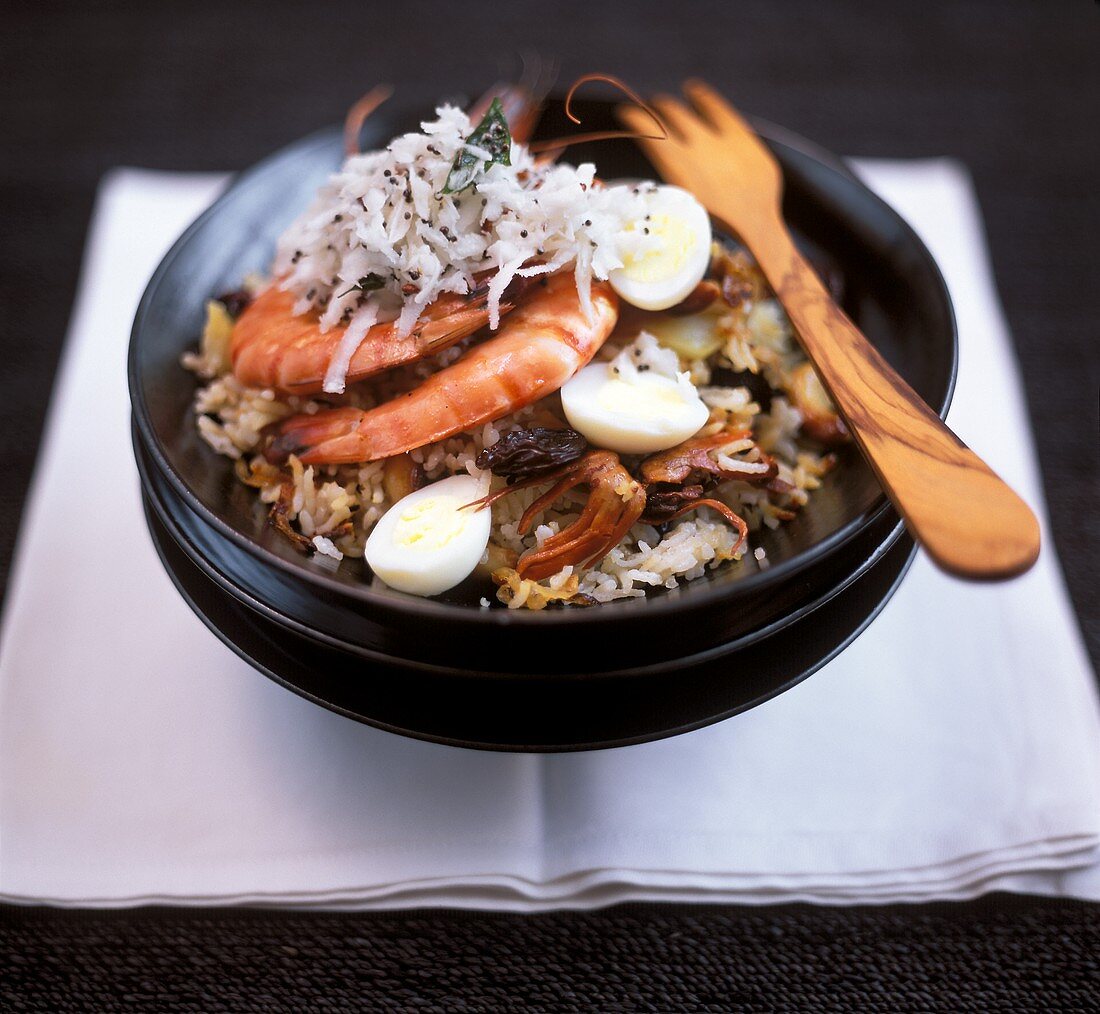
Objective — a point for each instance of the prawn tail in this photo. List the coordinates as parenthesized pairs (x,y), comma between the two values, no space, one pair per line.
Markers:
(331,436)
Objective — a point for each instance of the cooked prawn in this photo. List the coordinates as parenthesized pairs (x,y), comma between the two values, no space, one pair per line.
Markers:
(666,504)
(271,347)
(538,347)
(692,461)
(615,502)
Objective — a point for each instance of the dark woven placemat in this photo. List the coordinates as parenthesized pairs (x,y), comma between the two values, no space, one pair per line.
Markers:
(1002,954)
(1011,87)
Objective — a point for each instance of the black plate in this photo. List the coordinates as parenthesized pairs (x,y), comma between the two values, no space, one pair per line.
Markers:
(892,289)
(335,622)
(535,714)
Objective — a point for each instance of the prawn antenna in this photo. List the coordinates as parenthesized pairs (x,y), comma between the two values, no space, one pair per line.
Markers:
(358,113)
(603,135)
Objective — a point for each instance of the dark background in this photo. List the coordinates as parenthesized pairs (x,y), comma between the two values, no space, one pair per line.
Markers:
(1010,87)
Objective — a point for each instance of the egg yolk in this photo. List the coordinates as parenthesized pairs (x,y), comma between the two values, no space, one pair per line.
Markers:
(666,258)
(651,398)
(429,524)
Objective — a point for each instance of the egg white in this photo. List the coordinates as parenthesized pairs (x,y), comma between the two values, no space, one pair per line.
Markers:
(674,255)
(641,414)
(427,543)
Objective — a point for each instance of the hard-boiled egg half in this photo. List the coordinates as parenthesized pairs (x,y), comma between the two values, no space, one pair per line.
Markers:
(667,250)
(431,540)
(636,404)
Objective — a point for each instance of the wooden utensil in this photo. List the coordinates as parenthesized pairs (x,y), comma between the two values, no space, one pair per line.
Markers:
(968,520)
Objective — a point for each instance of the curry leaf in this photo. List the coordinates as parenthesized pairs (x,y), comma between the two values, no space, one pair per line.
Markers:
(368,283)
(491,135)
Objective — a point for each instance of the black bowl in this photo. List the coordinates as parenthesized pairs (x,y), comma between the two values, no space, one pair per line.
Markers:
(892,289)
(537,714)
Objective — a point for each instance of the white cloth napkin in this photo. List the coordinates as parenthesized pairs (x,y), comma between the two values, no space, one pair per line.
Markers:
(952,750)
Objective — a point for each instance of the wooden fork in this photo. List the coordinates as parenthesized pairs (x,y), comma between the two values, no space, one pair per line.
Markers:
(968,520)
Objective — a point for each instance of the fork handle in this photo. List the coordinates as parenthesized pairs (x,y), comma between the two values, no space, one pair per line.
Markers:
(967,518)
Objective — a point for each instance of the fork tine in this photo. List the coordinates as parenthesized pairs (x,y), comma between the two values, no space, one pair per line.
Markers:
(658,151)
(714,107)
(634,118)
(678,118)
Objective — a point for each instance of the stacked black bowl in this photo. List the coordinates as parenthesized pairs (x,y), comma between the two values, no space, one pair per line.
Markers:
(451,670)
